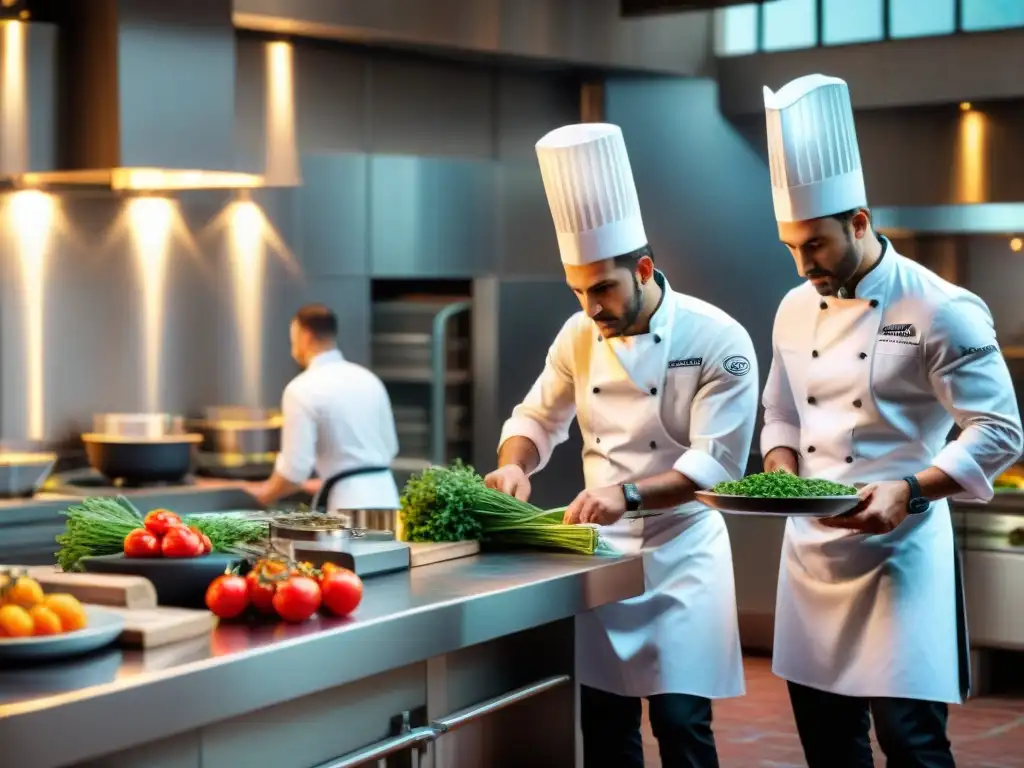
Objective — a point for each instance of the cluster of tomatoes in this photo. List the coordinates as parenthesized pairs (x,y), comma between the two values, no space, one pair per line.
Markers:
(292,591)
(165,535)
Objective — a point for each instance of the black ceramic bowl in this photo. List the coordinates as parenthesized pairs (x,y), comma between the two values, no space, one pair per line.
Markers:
(180,582)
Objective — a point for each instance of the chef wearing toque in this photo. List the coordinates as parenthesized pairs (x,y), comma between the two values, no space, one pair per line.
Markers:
(664,387)
(875,358)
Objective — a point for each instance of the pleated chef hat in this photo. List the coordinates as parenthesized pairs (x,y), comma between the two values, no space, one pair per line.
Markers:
(812,149)
(591,193)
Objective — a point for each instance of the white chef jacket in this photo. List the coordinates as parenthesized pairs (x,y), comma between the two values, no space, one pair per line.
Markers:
(337,416)
(682,396)
(867,389)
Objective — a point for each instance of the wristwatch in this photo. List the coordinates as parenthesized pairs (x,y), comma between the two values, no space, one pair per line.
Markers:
(917,503)
(634,501)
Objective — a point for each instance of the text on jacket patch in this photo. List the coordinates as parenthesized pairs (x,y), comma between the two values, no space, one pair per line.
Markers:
(690,362)
(900,330)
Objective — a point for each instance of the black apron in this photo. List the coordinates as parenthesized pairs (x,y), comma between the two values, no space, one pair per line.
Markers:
(319,503)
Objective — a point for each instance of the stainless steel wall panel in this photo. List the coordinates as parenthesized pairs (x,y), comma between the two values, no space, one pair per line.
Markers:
(331,98)
(432,217)
(431,107)
(526,233)
(333,215)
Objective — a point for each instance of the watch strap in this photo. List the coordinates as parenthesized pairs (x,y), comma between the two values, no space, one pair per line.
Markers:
(917,503)
(634,501)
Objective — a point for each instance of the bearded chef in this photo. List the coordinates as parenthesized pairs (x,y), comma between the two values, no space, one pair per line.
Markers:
(875,359)
(337,420)
(664,387)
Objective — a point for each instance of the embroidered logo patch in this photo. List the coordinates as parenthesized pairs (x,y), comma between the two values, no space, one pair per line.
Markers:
(900,330)
(979,351)
(737,365)
(690,362)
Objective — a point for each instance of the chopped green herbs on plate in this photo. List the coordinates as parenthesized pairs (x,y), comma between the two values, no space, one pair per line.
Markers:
(782,485)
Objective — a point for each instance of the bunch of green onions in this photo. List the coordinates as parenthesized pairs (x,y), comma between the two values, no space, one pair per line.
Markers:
(453,504)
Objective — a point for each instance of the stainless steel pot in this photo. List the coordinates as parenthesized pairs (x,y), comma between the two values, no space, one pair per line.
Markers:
(238,441)
(145,426)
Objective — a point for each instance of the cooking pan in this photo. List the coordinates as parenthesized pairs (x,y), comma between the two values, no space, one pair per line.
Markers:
(24,467)
(140,448)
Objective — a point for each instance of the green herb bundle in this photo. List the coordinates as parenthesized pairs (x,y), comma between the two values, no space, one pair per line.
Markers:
(453,504)
(97,525)
(782,485)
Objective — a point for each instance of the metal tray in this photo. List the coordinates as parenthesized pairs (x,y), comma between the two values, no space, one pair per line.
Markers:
(809,506)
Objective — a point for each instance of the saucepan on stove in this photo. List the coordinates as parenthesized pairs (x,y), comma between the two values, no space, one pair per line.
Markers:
(238,442)
(24,467)
(141,447)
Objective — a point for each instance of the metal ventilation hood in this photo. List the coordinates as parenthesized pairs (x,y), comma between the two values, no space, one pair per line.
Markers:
(145,97)
(972,219)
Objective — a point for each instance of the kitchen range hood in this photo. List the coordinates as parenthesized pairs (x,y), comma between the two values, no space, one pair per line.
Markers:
(143,91)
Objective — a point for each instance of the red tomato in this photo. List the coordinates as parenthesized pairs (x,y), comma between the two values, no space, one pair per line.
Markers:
(160,520)
(261,592)
(181,542)
(204,539)
(297,598)
(342,591)
(227,596)
(141,543)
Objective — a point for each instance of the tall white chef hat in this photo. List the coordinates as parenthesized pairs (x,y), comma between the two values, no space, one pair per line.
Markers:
(812,149)
(591,193)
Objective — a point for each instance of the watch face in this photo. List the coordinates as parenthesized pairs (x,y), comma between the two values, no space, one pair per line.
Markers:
(919,505)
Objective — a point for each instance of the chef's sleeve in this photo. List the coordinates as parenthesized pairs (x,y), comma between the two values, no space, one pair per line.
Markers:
(723,412)
(297,456)
(781,418)
(969,376)
(550,405)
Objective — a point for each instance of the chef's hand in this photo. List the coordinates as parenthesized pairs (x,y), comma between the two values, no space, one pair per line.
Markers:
(882,507)
(602,506)
(510,479)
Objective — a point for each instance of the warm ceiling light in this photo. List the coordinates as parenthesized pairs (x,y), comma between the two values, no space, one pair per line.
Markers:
(1016,244)
(965,106)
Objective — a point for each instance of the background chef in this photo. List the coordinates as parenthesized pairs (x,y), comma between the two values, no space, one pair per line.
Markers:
(337,420)
(664,387)
(875,358)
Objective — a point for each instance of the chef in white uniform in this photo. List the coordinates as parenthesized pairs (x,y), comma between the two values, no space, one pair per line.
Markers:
(664,387)
(337,420)
(874,360)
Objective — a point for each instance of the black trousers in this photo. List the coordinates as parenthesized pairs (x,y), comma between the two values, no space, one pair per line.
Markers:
(611,730)
(835,730)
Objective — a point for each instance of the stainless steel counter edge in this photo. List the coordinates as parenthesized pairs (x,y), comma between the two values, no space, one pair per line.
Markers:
(528,590)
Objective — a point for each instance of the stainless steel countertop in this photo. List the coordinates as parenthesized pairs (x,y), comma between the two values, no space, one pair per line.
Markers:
(117,699)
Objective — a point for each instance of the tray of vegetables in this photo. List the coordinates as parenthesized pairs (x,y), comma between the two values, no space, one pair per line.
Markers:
(781,494)
(453,504)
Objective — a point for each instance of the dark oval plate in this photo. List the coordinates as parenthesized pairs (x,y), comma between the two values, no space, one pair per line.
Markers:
(804,506)
(180,582)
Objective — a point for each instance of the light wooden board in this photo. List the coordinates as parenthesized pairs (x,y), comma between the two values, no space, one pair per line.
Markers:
(155,627)
(108,590)
(431,552)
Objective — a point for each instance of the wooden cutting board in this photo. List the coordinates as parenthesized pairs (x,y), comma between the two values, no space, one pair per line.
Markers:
(155,627)
(96,588)
(427,553)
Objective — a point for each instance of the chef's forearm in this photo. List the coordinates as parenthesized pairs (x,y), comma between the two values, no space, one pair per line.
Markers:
(667,490)
(276,488)
(782,458)
(520,451)
(936,484)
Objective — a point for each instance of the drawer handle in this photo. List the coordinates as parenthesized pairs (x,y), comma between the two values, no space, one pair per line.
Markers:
(424,734)
(469,714)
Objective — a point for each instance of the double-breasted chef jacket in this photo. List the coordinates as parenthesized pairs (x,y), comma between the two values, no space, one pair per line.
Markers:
(682,396)
(867,389)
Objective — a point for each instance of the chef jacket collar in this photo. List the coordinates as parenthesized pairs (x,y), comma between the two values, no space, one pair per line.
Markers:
(330,356)
(661,320)
(874,286)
